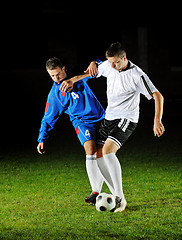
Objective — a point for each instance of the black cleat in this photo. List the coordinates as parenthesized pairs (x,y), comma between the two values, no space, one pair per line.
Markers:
(91,198)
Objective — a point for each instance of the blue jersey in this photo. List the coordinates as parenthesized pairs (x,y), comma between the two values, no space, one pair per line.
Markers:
(80,104)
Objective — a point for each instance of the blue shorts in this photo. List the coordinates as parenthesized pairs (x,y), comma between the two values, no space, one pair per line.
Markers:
(86,132)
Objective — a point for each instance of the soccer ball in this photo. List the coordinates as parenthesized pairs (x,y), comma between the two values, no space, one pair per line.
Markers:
(105,202)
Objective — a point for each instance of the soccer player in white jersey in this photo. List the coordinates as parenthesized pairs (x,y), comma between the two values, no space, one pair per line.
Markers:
(125,83)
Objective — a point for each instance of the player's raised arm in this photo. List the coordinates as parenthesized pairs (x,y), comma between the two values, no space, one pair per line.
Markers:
(91,71)
(67,85)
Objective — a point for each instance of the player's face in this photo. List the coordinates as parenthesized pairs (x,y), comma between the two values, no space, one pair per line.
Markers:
(117,62)
(57,74)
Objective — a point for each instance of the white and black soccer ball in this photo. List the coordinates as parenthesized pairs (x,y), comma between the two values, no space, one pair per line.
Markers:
(105,202)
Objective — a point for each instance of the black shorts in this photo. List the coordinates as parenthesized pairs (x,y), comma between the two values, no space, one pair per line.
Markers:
(117,130)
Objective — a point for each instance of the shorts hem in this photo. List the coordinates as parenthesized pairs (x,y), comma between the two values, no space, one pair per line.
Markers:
(115,141)
(101,142)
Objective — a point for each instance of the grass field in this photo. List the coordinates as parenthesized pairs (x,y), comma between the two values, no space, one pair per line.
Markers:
(42,197)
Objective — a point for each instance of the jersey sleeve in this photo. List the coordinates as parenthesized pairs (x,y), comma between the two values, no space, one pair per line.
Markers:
(86,79)
(145,86)
(52,112)
(103,69)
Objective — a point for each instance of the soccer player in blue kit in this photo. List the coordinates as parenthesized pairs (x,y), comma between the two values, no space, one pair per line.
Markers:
(85,112)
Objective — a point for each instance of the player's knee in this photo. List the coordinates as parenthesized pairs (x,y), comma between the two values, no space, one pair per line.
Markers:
(109,147)
(90,147)
(106,151)
(90,151)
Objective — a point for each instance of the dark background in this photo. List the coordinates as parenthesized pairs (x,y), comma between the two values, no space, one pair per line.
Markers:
(33,31)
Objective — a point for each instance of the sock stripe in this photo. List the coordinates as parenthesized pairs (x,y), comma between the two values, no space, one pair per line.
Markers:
(91,157)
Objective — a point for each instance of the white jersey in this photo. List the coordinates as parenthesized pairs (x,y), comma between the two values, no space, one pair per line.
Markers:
(124,89)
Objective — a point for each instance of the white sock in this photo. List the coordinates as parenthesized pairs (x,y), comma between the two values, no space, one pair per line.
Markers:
(114,167)
(105,172)
(94,174)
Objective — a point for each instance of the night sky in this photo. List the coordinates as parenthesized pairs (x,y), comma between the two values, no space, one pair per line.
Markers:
(34,31)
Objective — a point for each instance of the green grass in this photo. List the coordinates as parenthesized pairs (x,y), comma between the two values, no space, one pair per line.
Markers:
(42,197)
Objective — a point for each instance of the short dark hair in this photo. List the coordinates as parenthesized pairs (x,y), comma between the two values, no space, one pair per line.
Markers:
(116,49)
(53,63)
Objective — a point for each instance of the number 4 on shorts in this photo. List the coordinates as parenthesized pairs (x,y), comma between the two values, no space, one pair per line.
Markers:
(87,133)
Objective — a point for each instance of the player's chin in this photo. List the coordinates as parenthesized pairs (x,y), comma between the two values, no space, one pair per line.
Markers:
(117,68)
(58,82)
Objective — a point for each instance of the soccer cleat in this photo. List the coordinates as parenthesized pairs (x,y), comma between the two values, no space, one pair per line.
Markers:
(91,198)
(120,205)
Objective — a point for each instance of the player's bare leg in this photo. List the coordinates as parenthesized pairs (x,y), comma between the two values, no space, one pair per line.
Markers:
(109,147)
(90,147)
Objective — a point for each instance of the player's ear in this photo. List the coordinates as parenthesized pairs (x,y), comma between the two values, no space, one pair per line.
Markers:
(63,68)
(124,57)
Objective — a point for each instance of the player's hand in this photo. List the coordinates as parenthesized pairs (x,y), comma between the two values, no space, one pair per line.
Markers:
(92,69)
(66,85)
(158,128)
(40,148)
